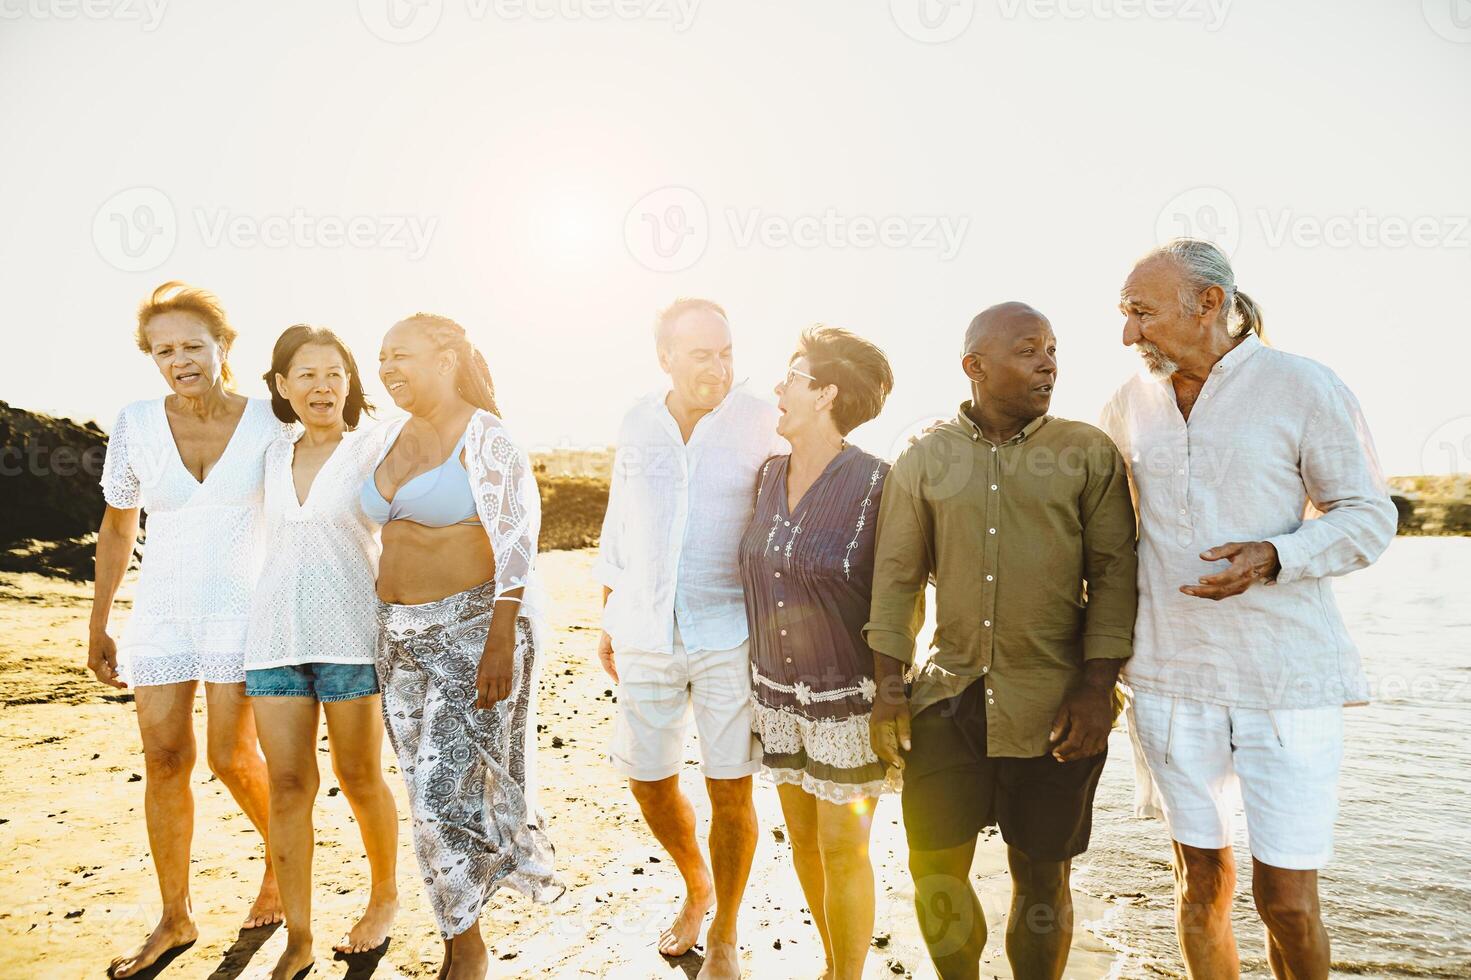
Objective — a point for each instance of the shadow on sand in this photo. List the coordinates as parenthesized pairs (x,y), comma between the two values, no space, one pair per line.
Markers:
(239,955)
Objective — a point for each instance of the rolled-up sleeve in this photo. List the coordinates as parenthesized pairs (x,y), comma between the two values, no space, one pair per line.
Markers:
(608,568)
(903,561)
(1110,558)
(1341,476)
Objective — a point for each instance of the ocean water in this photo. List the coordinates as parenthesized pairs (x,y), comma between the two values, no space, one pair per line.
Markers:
(1397,897)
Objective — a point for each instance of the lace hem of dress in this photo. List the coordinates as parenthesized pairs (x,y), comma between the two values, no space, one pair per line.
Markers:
(832,792)
(176,668)
(839,742)
(866,688)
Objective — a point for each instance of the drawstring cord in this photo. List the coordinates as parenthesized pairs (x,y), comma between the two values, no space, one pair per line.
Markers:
(1170,731)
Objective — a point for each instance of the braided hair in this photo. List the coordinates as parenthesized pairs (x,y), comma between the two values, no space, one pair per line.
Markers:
(472,375)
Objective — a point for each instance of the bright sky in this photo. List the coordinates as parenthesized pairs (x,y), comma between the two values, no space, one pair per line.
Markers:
(551,172)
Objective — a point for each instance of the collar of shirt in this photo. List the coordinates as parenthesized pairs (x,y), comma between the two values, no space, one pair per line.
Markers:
(968,424)
(658,403)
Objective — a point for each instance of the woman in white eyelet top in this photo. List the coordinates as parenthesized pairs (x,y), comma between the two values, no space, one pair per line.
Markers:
(204,546)
(315,601)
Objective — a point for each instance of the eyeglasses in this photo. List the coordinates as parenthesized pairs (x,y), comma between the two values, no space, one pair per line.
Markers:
(794,373)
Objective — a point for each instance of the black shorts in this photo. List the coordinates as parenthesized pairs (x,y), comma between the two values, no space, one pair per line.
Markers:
(952,789)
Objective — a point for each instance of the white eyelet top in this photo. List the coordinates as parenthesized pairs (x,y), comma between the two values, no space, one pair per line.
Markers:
(315,602)
(203,549)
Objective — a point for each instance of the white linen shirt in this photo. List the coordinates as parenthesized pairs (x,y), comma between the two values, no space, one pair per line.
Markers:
(1276,449)
(315,601)
(676,512)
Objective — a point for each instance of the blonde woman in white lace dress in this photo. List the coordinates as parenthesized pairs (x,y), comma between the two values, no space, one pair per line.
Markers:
(461,627)
(194,461)
(314,633)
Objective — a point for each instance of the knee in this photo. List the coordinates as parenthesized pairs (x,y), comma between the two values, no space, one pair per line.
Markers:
(842,851)
(1041,879)
(1205,883)
(1288,917)
(357,777)
(727,795)
(233,765)
(293,785)
(654,793)
(168,763)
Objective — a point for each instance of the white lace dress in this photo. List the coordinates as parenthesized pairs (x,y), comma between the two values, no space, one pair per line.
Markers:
(315,602)
(203,550)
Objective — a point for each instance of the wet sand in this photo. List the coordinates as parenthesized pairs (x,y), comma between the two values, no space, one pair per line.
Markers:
(76,885)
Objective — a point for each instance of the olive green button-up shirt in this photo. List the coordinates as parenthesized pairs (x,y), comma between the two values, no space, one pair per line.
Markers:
(1031,546)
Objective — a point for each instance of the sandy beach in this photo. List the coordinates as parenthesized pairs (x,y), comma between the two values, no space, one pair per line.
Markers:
(77,884)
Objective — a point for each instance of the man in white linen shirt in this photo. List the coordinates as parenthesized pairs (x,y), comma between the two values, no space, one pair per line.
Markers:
(682,493)
(1242,664)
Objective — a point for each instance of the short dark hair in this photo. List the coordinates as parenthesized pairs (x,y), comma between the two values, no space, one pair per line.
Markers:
(859,369)
(294,339)
(664,323)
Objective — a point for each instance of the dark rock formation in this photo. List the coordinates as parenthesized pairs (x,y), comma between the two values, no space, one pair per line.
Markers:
(49,470)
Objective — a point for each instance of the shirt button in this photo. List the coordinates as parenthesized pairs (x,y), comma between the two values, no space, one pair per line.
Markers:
(787,523)
(990,700)
(988,578)
(988,622)
(989,691)
(993,449)
(1183,512)
(783,632)
(993,530)
(778,574)
(789,660)
(986,669)
(780,605)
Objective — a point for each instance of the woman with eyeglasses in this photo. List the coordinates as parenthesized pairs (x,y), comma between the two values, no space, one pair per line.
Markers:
(807,567)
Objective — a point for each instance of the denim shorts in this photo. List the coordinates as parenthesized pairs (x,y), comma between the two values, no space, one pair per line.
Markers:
(325,682)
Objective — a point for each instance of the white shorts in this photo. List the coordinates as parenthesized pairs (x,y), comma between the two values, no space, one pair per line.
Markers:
(657,692)
(1285,762)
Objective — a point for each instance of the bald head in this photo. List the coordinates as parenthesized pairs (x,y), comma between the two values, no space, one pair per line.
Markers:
(1000,325)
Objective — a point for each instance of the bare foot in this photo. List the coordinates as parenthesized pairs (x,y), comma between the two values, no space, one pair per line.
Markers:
(371,931)
(168,934)
(722,962)
(267,907)
(295,961)
(684,931)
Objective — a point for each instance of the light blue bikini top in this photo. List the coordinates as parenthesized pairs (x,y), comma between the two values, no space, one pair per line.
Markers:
(439,497)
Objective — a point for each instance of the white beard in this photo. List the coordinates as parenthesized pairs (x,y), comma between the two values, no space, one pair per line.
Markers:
(1159,366)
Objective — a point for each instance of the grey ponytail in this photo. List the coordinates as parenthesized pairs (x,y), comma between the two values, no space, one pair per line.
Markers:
(1204,265)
